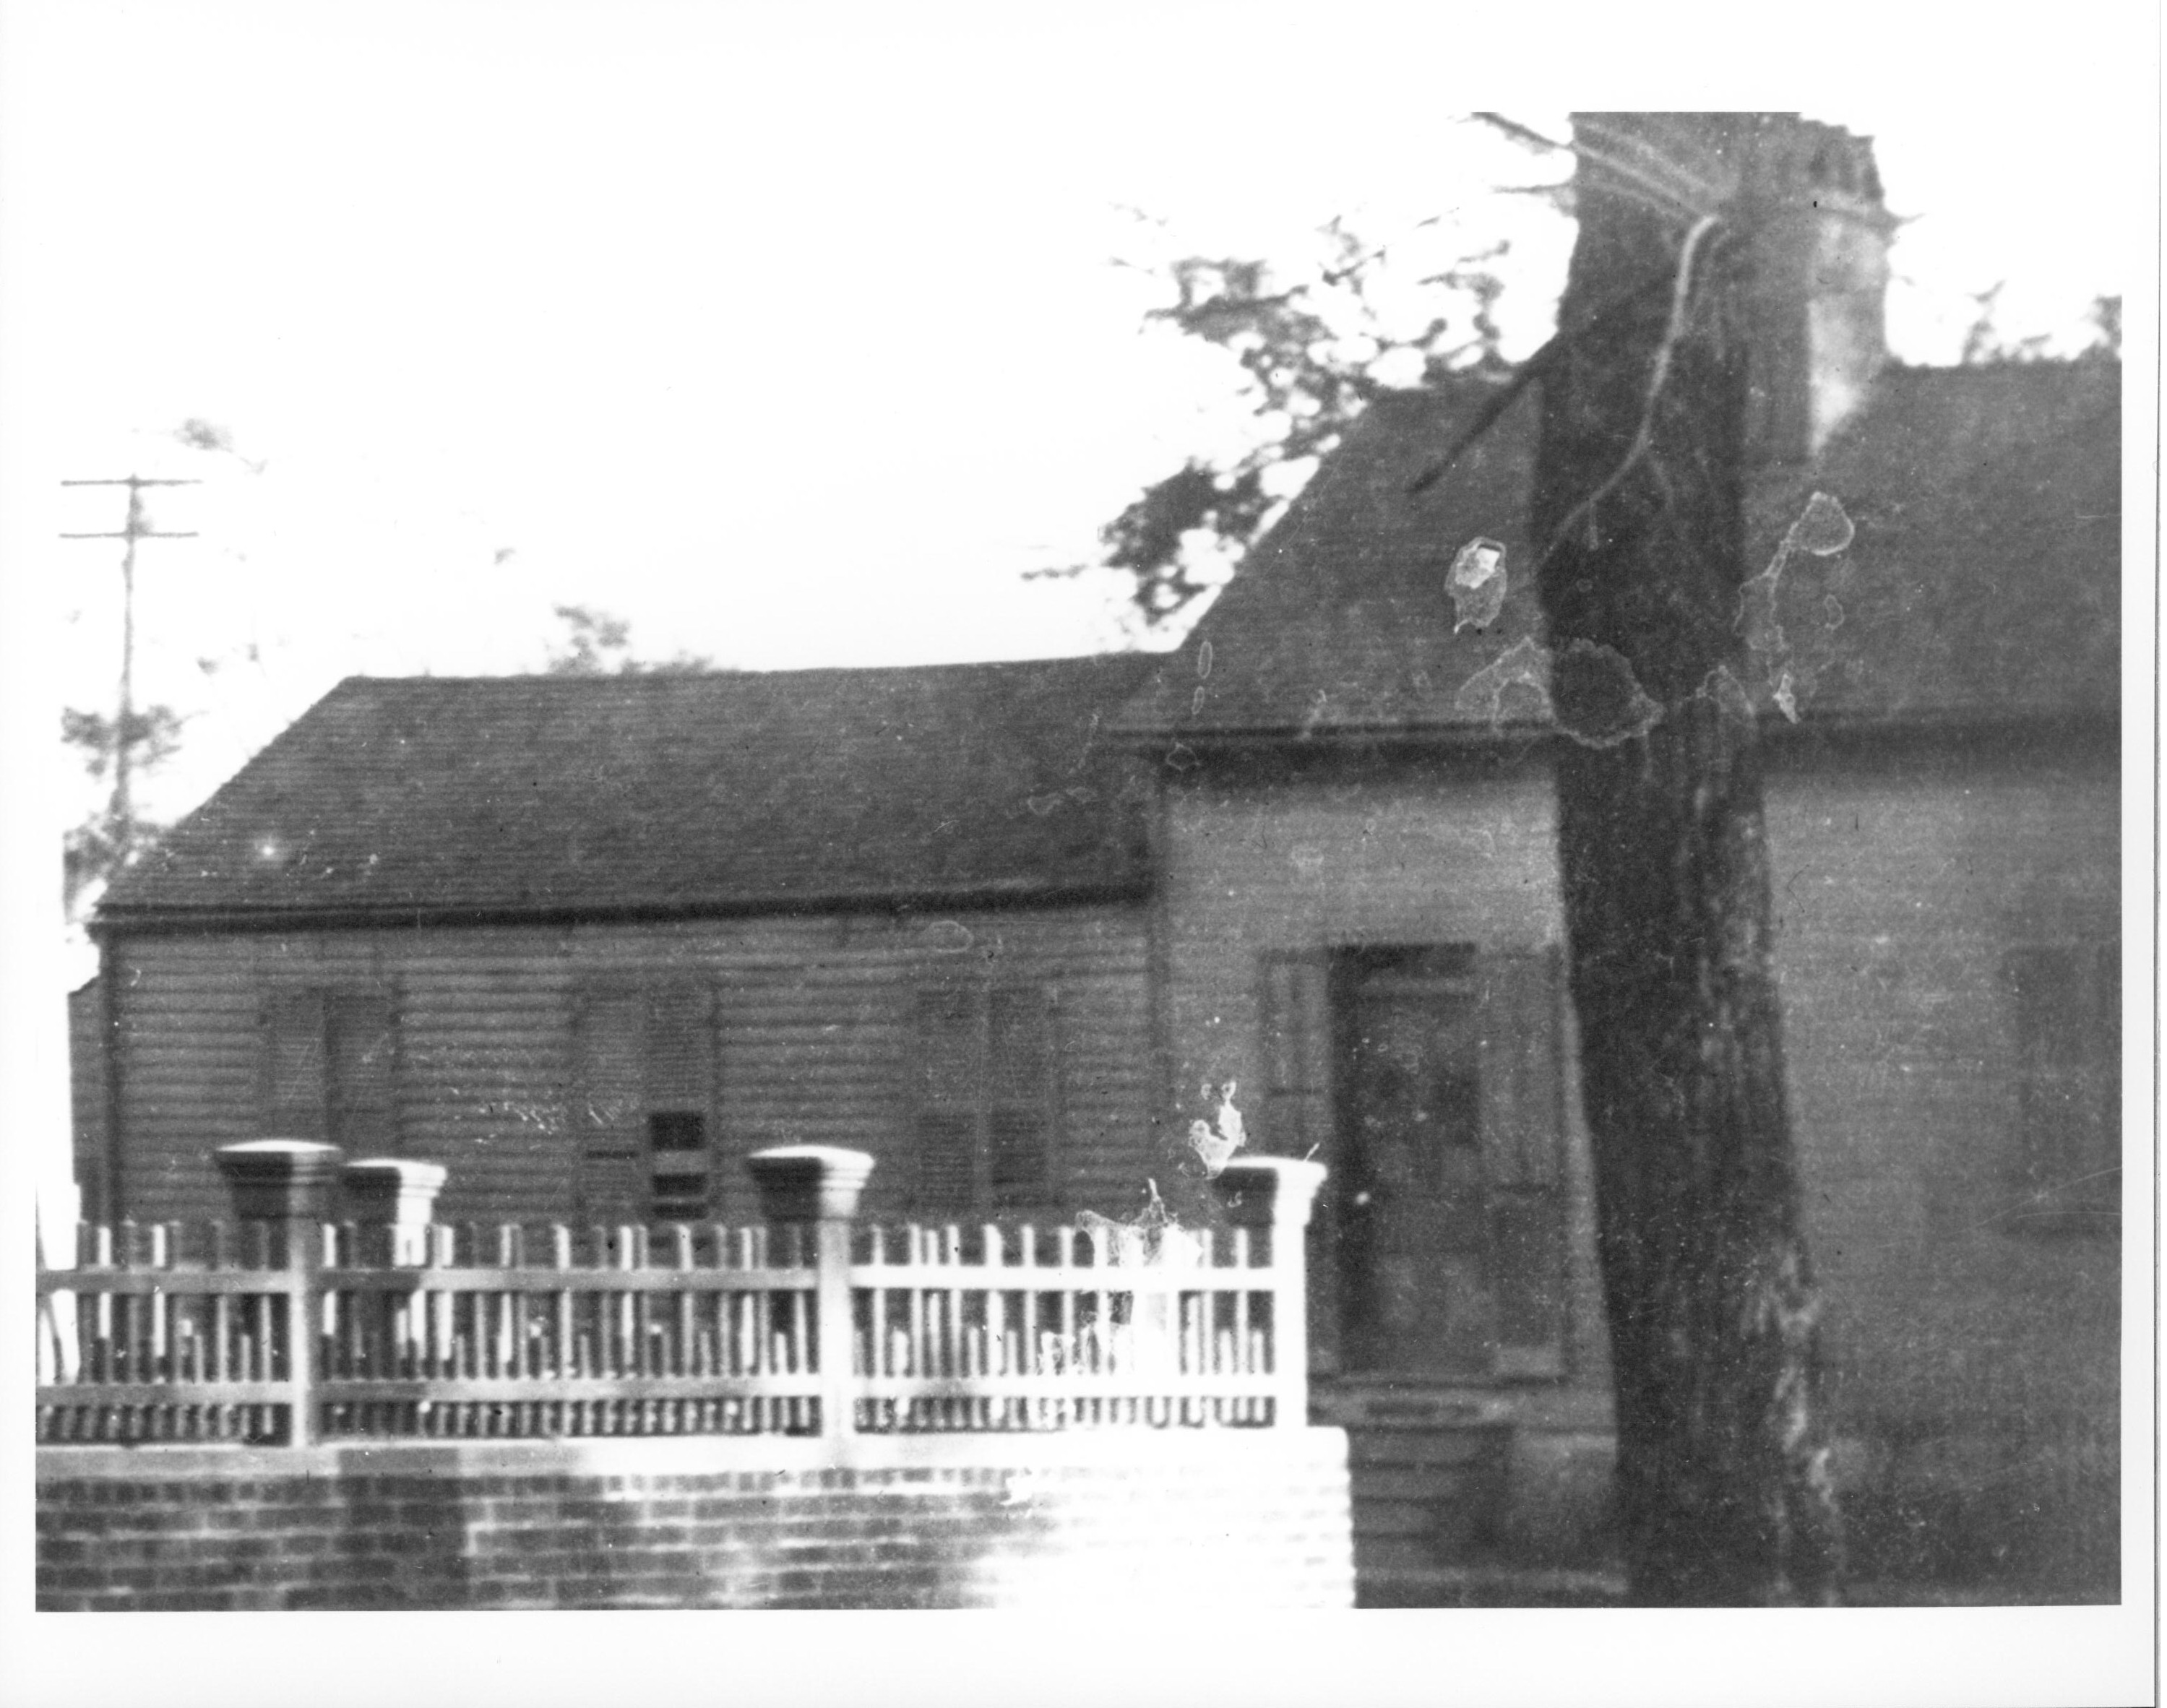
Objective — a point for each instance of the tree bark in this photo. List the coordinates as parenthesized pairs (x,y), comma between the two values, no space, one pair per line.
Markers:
(1723,1490)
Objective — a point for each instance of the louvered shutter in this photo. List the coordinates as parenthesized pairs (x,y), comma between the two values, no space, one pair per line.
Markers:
(679,1077)
(2068,1009)
(293,1092)
(1523,1154)
(1020,1093)
(1295,1032)
(361,1052)
(2052,1090)
(950,1037)
(1293,1117)
(608,1110)
(2106,1082)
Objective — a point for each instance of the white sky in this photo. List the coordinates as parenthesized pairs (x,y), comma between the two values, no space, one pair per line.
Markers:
(789,335)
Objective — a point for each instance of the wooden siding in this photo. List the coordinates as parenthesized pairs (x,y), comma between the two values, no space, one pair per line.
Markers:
(1263,869)
(812,1027)
(1903,877)
(86,1008)
(1901,889)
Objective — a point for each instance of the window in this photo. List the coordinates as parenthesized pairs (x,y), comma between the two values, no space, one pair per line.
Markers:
(643,1102)
(986,1107)
(330,1069)
(2066,1009)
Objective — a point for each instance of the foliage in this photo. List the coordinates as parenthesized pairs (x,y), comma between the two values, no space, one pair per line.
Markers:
(1987,346)
(93,853)
(598,644)
(153,735)
(1313,349)
(2106,340)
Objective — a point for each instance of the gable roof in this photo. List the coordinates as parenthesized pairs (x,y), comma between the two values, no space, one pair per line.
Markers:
(1983,579)
(736,791)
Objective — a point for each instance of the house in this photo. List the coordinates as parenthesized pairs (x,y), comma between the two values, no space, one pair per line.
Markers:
(1011,928)
(1359,917)
(590,941)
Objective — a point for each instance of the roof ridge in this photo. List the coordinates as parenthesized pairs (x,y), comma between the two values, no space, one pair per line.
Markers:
(618,679)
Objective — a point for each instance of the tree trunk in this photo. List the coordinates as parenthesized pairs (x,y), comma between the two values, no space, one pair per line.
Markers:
(1722,1476)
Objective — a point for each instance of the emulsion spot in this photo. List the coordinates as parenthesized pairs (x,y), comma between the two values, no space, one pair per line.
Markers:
(1599,702)
(1476,582)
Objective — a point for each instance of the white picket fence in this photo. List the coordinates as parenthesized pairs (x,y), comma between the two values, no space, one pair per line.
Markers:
(173,1333)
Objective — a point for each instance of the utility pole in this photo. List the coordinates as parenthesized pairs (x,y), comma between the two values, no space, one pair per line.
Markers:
(137,528)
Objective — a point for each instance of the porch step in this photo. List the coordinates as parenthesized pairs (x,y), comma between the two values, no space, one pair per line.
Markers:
(1426,1497)
(1485,1586)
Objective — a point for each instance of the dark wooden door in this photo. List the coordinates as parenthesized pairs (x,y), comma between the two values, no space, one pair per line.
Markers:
(1413,1202)
(1446,1212)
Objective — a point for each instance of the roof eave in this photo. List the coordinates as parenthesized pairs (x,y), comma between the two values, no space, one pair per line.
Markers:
(1774,728)
(154,921)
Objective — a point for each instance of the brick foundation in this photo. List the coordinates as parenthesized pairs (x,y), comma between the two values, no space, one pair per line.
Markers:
(1224,1518)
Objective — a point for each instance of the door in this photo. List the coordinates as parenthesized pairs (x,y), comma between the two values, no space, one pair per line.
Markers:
(1448,1207)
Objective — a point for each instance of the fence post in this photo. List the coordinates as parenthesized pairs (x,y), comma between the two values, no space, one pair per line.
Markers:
(819,1186)
(287,1184)
(1275,1193)
(391,1201)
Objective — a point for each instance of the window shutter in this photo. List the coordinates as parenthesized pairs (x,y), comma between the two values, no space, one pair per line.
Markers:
(294,1079)
(362,1059)
(2067,1003)
(2106,1083)
(680,1067)
(1295,1012)
(679,1073)
(1020,1090)
(1523,1147)
(951,1038)
(1293,1117)
(608,1109)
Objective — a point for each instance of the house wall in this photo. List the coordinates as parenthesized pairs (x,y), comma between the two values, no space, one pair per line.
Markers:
(1972,1365)
(813,1019)
(1381,854)
(1272,855)
(1973,1361)
(86,1007)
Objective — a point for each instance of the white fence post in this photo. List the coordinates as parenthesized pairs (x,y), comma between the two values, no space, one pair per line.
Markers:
(394,1199)
(287,1183)
(1276,1192)
(819,1186)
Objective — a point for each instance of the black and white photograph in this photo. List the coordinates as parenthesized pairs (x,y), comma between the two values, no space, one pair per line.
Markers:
(1165,819)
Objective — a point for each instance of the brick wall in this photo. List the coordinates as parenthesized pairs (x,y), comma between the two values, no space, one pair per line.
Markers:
(1218,1518)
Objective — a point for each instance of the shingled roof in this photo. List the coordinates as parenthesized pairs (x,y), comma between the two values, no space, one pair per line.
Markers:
(734,791)
(1984,580)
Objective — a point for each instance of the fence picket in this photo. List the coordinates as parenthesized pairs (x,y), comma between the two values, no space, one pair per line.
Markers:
(484,1332)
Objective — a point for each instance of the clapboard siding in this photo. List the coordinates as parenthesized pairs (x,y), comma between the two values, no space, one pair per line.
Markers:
(812,1044)
(188,1065)
(1257,865)
(86,1095)
(1899,891)
(1904,874)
